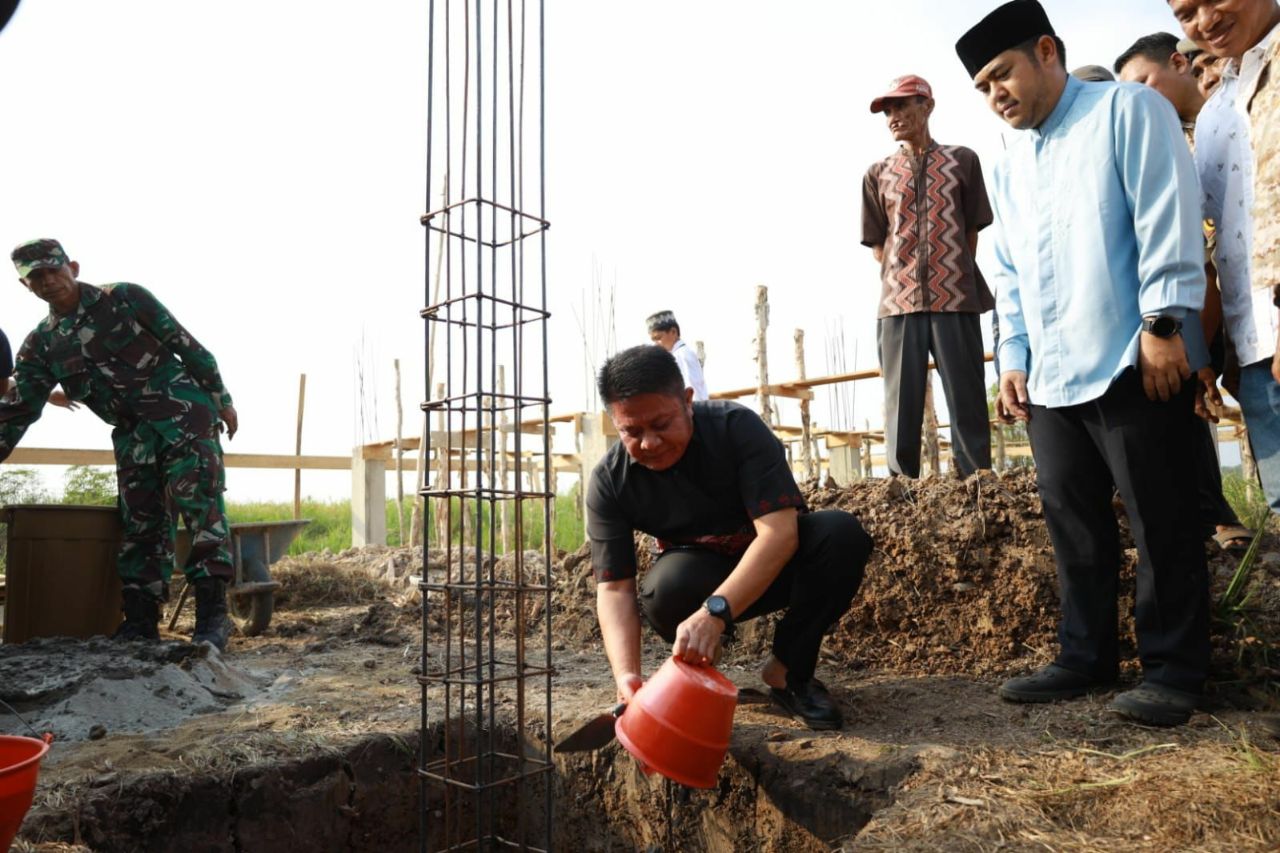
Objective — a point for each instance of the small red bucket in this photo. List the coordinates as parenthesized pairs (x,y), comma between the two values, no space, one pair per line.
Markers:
(19,764)
(679,723)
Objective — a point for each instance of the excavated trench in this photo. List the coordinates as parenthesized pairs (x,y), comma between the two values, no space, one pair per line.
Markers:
(796,793)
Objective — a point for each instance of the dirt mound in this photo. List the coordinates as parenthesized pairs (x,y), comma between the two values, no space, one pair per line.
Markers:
(962,581)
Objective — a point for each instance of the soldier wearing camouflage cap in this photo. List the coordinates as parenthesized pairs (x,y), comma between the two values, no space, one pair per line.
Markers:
(116,349)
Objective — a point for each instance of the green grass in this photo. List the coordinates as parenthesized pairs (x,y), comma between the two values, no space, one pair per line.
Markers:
(330,525)
(1247,507)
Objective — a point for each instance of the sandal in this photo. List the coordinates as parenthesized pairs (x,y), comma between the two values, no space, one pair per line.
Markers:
(1234,538)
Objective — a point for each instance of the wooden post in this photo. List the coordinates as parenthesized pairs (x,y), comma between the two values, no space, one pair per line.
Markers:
(866,457)
(806,454)
(762,355)
(418,531)
(297,448)
(420,478)
(484,445)
(442,476)
(701,352)
(1002,459)
(399,459)
(503,530)
(1248,465)
(931,463)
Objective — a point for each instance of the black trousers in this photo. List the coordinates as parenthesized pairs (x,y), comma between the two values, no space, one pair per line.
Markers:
(955,340)
(1214,509)
(1145,450)
(815,587)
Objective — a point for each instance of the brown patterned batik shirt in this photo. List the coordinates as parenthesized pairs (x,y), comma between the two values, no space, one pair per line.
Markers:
(921,210)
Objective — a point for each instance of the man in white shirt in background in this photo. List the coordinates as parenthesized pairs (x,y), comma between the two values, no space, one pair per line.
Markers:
(1240,31)
(665,332)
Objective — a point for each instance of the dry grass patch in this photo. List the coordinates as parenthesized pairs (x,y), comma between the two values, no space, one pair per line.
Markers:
(1211,795)
(314,581)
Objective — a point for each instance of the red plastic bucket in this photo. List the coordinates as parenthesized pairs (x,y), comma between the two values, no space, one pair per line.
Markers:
(19,764)
(679,723)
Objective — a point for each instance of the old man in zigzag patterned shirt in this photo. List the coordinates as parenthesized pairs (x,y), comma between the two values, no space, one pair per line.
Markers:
(922,209)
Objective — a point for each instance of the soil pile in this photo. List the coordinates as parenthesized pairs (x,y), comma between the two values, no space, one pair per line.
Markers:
(962,581)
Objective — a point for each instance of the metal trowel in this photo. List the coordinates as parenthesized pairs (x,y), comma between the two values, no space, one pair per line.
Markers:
(594,734)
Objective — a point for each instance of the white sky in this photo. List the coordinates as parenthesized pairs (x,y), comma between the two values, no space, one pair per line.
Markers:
(260,166)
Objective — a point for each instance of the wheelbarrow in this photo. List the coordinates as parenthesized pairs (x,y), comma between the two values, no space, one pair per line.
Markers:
(255,545)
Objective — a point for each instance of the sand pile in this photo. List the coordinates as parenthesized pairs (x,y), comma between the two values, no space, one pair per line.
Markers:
(86,689)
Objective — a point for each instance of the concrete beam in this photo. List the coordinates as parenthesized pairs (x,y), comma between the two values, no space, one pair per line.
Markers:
(368,499)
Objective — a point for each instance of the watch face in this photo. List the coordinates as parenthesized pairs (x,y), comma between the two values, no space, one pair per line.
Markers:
(717,605)
(1163,327)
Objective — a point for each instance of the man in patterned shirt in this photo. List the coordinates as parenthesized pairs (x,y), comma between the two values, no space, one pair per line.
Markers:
(120,352)
(1157,61)
(1237,197)
(1264,121)
(922,209)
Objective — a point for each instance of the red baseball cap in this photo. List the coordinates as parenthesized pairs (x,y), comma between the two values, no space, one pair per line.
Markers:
(903,87)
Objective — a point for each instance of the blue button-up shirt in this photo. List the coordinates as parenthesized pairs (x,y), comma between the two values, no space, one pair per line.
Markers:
(1098,223)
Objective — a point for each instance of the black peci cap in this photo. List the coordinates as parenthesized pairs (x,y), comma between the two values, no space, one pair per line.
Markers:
(1006,27)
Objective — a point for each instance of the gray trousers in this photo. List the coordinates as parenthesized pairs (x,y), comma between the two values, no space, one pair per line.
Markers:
(955,340)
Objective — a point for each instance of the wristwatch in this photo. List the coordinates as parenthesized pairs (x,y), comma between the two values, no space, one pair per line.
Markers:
(718,606)
(1161,325)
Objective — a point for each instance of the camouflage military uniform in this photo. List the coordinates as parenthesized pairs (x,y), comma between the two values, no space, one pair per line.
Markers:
(122,354)
(1264,121)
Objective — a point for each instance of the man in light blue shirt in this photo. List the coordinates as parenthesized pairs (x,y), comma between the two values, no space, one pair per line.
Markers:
(1099,251)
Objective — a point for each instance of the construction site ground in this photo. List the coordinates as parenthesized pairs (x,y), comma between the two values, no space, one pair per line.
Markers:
(306,738)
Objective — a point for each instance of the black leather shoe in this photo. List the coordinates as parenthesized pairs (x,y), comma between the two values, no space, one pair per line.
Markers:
(810,703)
(1051,684)
(1156,704)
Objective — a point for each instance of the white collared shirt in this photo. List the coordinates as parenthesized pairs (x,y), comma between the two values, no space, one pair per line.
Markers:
(1224,164)
(691,368)
(1251,65)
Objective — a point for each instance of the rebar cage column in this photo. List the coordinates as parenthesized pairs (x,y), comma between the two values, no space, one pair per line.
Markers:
(485,763)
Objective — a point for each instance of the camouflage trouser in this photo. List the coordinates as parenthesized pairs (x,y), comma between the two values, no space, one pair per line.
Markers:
(164,477)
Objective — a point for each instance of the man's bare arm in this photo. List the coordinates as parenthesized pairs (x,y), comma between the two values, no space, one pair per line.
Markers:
(620,627)
(878,251)
(972,236)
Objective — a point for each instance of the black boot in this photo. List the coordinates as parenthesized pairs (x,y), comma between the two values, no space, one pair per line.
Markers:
(141,615)
(212,624)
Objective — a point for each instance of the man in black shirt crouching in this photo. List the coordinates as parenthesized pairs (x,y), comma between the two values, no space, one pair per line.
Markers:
(711,483)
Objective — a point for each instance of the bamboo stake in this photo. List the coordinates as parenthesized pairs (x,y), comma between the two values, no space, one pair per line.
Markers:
(297,472)
(806,441)
(441,476)
(399,458)
(415,523)
(762,355)
(1248,466)
(503,530)
(932,464)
